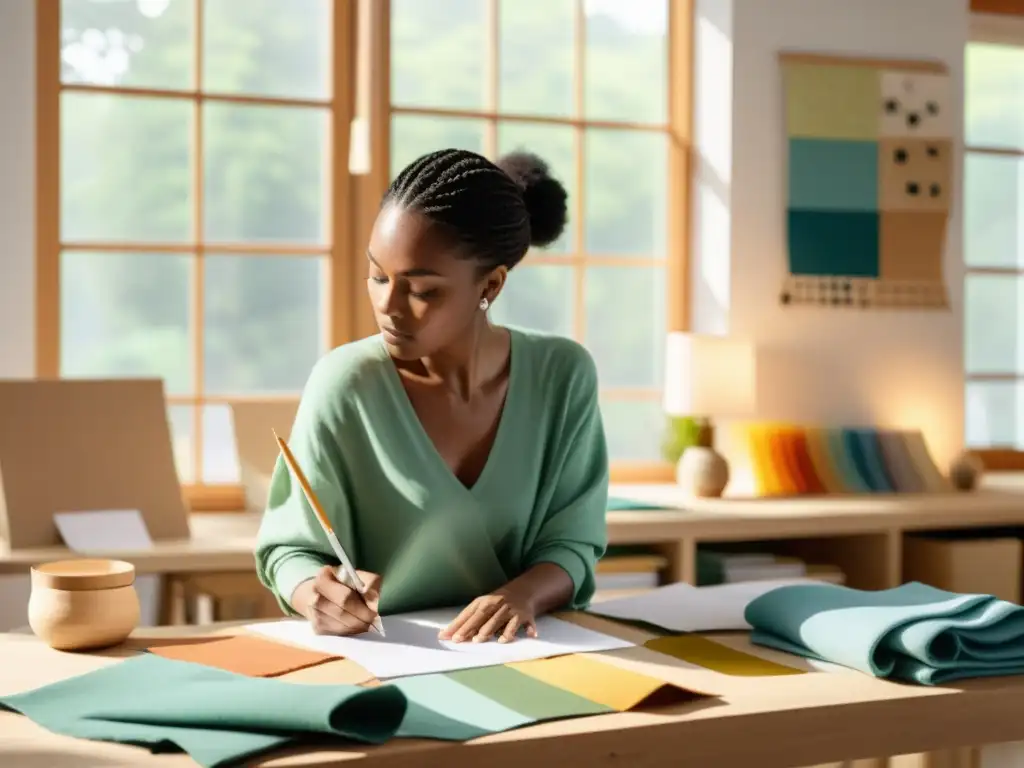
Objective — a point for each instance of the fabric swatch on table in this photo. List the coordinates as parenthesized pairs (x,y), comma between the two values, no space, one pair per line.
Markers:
(527,694)
(913,632)
(217,717)
(220,717)
(616,504)
(242,654)
(603,683)
(695,649)
(439,704)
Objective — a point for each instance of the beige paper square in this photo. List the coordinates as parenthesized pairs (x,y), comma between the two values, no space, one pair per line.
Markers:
(912,245)
(914,175)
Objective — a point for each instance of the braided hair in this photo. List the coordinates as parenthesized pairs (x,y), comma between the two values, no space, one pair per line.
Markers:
(496,211)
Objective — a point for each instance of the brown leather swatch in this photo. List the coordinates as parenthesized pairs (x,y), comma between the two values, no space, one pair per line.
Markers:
(242,654)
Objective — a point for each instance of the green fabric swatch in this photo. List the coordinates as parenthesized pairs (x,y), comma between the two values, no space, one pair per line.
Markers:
(217,717)
(528,695)
(435,698)
(913,632)
(616,504)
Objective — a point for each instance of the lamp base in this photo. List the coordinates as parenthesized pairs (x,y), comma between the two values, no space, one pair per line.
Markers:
(702,471)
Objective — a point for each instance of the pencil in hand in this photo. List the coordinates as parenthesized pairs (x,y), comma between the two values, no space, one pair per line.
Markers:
(348,575)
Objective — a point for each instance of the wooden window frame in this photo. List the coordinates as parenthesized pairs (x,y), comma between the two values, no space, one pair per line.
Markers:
(360,75)
(375,106)
(990,24)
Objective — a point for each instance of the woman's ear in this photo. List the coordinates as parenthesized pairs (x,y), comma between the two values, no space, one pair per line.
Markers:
(494,281)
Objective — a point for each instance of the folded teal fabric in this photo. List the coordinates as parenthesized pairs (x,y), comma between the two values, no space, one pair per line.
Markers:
(914,632)
(220,718)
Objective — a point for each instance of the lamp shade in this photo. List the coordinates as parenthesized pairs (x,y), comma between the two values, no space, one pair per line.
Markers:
(709,376)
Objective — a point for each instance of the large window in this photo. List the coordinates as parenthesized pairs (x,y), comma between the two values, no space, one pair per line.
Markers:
(199,222)
(585,84)
(994,242)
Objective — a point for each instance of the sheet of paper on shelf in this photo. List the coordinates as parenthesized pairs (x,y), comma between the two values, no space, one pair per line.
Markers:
(116,530)
(685,608)
(413,648)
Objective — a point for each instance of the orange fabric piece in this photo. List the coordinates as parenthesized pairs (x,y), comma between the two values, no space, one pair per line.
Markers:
(241,654)
(811,482)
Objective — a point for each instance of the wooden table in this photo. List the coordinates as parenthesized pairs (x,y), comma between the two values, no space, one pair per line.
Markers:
(768,722)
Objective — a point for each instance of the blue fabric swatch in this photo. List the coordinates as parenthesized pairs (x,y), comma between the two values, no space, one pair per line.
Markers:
(914,632)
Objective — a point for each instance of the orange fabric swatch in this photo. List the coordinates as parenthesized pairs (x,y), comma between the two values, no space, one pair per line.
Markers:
(242,654)
(811,482)
(786,481)
(603,683)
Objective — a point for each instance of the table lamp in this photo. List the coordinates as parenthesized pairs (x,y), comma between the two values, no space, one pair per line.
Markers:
(706,378)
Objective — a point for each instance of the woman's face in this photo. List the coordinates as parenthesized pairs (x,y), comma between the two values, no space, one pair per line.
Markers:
(424,298)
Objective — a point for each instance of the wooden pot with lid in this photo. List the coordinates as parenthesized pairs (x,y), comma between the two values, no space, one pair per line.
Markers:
(83,604)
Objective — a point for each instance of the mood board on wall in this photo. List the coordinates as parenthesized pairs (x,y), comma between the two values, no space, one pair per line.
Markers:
(870,175)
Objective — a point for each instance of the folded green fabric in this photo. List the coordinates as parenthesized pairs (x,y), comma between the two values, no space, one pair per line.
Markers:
(913,632)
(217,717)
(220,717)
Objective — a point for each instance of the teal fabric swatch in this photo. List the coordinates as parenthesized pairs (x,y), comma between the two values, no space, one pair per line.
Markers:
(616,504)
(844,464)
(220,718)
(434,696)
(914,632)
(874,460)
(833,243)
(863,451)
(833,174)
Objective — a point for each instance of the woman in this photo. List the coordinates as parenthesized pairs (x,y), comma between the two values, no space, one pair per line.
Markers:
(459,462)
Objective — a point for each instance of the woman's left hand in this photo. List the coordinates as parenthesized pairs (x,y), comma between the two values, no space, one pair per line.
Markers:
(499,615)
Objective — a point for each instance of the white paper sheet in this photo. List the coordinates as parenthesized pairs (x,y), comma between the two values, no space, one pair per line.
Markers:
(413,648)
(685,608)
(117,530)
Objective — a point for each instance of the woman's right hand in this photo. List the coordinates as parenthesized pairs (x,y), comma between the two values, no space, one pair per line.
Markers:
(334,608)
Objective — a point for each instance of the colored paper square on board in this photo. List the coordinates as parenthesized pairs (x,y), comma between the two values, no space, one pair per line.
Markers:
(833,174)
(833,243)
(241,654)
(833,101)
(913,245)
(915,174)
(916,105)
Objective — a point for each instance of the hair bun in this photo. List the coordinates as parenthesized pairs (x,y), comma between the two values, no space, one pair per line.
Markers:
(544,195)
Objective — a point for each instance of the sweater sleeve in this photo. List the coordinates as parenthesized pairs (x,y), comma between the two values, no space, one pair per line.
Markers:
(574,533)
(291,546)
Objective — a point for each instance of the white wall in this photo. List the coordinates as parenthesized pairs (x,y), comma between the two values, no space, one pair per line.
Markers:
(841,366)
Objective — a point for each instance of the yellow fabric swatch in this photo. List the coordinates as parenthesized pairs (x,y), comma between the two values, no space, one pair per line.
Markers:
(603,683)
(764,470)
(717,657)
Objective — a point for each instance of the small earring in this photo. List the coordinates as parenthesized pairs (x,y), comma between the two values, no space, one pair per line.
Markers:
(484,304)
